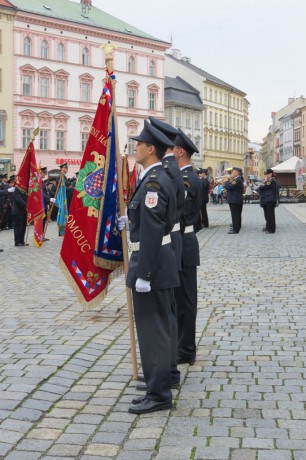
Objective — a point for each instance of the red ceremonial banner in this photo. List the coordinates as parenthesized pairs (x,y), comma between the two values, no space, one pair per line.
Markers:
(77,254)
(28,180)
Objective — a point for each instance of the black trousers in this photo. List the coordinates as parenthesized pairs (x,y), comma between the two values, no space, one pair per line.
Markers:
(20,227)
(174,372)
(152,312)
(186,299)
(236,211)
(269,211)
(204,214)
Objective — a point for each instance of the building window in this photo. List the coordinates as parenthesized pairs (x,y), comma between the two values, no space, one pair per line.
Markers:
(131,146)
(197,123)
(178,119)
(132,99)
(187,120)
(152,68)
(210,118)
(131,64)
(84,140)
(27,46)
(44,87)
(216,96)
(44,49)
(3,117)
(210,94)
(60,89)
(85,56)
(26,138)
(85,92)
(220,121)
(60,140)
(27,85)
(152,101)
(216,119)
(43,144)
(60,52)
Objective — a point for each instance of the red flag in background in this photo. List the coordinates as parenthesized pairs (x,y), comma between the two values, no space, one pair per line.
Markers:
(133,181)
(28,180)
(38,235)
(125,178)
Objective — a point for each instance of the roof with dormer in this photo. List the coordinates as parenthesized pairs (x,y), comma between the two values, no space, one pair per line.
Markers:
(180,92)
(206,75)
(67,10)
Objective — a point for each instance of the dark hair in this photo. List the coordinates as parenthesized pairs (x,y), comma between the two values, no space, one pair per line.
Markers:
(158,151)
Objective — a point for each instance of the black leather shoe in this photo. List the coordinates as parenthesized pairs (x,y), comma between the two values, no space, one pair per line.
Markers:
(143,386)
(141,378)
(264,229)
(19,244)
(189,361)
(232,232)
(139,400)
(147,405)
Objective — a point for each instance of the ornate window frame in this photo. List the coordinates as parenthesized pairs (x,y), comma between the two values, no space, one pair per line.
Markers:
(86,79)
(132,86)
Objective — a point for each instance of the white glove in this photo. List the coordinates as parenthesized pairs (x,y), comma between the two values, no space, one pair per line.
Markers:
(11,189)
(123,222)
(142,285)
(53,200)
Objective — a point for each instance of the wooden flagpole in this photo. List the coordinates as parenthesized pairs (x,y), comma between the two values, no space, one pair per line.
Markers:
(108,49)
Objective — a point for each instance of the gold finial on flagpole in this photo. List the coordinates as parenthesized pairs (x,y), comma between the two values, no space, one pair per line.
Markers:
(35,133)
(108,49)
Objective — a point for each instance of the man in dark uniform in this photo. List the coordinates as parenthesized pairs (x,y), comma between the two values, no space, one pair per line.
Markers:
(4,203)
(205,198)
(186,294)
(19,212)
(152,215)
(172,169)
(268,199)
(234,187)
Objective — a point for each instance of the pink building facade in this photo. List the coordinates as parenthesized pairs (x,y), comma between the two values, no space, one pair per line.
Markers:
(58,77)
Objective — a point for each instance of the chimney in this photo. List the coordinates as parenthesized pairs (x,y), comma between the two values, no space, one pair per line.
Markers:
(86,6)
(186,59)
(176,53)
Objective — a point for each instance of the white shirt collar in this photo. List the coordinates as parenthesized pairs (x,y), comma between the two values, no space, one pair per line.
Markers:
(184,167)
(169,155)
(144,172)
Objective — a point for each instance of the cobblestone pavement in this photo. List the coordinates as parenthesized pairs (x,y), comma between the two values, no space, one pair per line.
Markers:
(65,374)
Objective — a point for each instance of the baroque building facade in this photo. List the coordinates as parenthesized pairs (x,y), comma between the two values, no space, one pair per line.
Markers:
(59,67)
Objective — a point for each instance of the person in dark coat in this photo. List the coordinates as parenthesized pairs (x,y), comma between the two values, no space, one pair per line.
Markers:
(46,196)
(268,199)
(69,190)
(172,169)
(152,215)
(205,186)
(186,293)
(234,187)
(19,211)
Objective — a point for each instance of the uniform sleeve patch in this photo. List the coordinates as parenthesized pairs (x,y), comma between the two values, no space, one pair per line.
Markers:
(234,182)
(151,199)
(187,183)
(152,184)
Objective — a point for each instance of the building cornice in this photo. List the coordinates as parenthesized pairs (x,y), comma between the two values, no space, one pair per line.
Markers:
(92,31)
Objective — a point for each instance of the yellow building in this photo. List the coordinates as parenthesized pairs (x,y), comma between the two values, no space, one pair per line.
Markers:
(225,126)
(7,13)
(224,121)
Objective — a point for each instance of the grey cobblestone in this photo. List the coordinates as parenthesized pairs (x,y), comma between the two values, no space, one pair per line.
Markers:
(65,374)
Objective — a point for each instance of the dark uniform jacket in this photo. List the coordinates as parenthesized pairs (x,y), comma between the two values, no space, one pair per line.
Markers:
(19,203)
(193,200)
(205,188)
(268,192)
(172,169)
(234,189)
(152,215)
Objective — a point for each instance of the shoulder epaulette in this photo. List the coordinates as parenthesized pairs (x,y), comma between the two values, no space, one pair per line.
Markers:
(153,184)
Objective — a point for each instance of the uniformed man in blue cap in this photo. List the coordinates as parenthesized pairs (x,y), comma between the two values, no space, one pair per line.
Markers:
(234,187)
(152,215)
(186,294)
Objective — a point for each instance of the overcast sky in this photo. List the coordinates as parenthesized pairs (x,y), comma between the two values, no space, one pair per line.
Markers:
(258,46)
